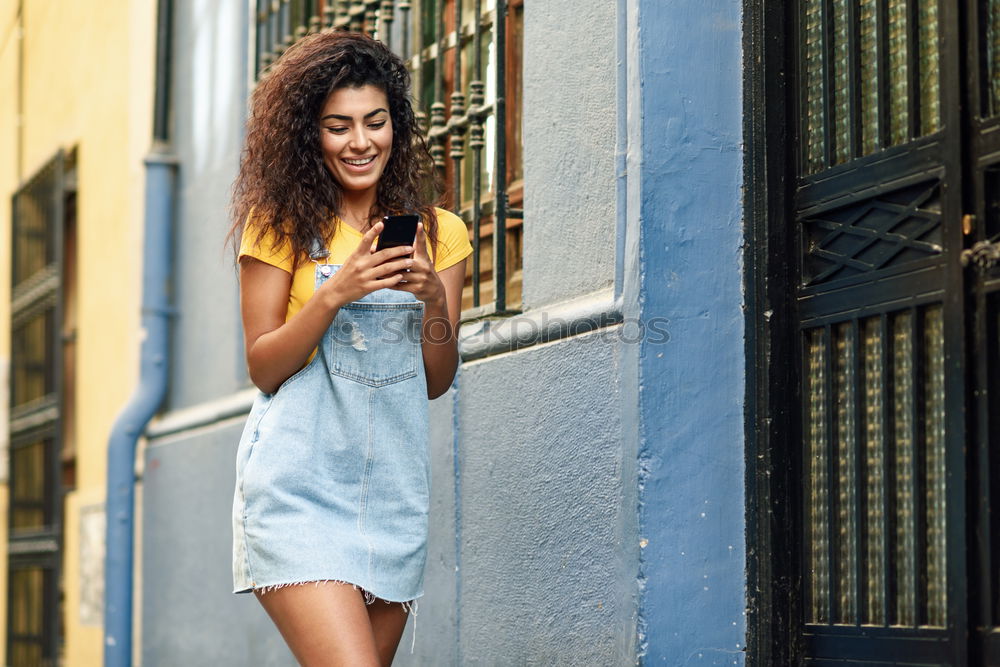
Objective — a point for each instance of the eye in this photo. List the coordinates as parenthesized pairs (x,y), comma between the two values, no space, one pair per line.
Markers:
(377,125)
(336,130)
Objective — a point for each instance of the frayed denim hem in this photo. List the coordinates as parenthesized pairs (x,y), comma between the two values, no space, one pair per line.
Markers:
(410,606)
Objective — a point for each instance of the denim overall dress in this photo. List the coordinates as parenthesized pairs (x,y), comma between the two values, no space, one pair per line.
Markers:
(332,470)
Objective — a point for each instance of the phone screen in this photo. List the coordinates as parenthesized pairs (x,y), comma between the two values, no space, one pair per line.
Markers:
(399,230)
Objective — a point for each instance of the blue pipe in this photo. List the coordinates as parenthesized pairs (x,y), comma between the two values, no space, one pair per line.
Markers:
(157,263)
(157,267)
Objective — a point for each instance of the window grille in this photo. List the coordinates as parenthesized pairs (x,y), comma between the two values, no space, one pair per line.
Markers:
(870,77)
(36,402)
(886,370)
(461,53)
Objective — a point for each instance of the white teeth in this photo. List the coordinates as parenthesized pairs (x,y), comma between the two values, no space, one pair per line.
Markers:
(360,162)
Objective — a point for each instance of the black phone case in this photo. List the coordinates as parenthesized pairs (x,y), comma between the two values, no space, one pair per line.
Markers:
(399,230)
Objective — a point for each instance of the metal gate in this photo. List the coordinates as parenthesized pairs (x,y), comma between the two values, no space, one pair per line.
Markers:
(894,213)
(981,229)
(880,311)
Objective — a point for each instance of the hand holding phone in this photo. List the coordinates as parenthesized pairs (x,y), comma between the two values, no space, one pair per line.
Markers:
(397,230)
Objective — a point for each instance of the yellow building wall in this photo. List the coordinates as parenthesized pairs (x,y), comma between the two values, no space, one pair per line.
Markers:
(87,84)
(8,175)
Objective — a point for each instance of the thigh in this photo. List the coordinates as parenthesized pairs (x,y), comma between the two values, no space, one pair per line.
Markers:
(388,621)
(324,623)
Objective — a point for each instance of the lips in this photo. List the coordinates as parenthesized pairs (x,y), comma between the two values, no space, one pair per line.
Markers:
(358,164)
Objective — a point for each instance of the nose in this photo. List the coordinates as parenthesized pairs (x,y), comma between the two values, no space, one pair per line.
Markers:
(359,141)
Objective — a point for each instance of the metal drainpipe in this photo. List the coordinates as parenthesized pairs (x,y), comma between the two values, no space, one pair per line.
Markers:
(157,265)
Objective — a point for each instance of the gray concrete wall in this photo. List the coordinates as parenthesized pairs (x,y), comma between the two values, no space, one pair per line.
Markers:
(545,504)
(189,613)
(569,132)
(546,565)
(431,636)
(209,102)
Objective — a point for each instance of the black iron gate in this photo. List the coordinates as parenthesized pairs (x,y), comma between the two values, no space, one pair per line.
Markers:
(879,301)
(981,228)
(891,203)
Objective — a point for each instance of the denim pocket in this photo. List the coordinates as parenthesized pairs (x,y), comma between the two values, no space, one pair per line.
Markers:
(375,343)
(251,432)
(260,407)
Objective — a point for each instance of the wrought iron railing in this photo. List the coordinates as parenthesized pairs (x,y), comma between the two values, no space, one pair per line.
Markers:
(465,52)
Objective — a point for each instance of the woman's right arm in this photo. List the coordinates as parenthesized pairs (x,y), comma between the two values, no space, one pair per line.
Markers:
(277,349)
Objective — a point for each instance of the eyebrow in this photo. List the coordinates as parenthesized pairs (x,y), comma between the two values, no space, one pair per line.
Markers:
(367,115)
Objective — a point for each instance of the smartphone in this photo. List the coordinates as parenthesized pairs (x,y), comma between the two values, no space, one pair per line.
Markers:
(398,230)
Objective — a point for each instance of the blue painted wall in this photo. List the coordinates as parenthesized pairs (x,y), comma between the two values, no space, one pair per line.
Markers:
(686,83)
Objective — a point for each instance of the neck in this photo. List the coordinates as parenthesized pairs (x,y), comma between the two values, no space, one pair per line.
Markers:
(357,207)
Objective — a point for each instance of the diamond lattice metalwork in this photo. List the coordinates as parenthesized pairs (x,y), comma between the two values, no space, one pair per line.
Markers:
(883,231)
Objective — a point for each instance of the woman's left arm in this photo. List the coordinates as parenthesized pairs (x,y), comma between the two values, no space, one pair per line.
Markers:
(441,293)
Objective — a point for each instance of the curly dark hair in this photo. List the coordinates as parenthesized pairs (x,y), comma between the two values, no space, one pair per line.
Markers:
(283,181)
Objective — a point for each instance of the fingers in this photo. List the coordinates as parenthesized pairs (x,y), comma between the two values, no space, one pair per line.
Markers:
(419,243)
(393,281)
(390,253)
(388,268)
(367,244)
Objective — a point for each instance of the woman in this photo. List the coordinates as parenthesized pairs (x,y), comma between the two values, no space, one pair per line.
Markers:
(346,345)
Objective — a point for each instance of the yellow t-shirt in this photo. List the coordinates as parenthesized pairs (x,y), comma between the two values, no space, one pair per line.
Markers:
(453,247)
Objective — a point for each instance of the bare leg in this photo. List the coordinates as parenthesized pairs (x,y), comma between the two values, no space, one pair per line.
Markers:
(324,625)
(388,622)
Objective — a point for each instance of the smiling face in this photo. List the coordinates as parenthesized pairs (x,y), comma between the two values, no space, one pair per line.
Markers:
(356,138)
